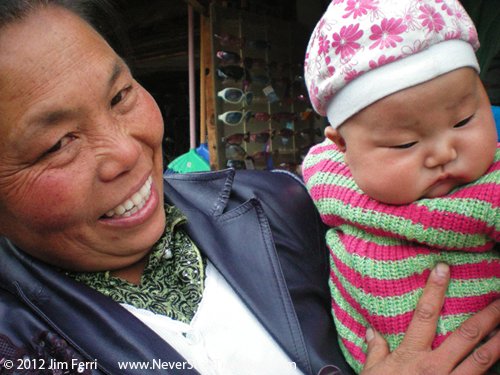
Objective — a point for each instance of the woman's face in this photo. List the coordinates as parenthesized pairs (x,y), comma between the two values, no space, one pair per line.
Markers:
(80,143)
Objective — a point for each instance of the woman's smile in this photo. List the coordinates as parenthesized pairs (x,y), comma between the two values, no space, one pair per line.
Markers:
(136,210)
(134,203)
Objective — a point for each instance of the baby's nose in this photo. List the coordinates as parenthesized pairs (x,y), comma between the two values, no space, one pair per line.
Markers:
(441,154)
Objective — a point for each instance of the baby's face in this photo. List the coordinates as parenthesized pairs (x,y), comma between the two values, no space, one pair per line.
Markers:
(422,141)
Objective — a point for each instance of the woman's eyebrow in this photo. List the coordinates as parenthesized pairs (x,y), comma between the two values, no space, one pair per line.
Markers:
(58,115)
(52,117)
(118,67)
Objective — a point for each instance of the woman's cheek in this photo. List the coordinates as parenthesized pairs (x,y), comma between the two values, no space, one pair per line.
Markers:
(154,121)
(52,202)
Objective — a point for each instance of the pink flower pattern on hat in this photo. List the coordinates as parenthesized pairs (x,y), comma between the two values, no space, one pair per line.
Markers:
(431,18)
(358,8)
(356,36)
(345,43)
(386,35)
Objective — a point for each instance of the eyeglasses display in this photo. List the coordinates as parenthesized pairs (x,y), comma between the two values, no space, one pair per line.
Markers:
(228,57)
(235,152)
(233,72)
(278,116)
(261,103)
(234,95)
(234,118)
(226,39)
(238,138)
(259,44)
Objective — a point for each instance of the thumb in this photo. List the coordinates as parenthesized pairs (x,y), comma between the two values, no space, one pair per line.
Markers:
(377,348)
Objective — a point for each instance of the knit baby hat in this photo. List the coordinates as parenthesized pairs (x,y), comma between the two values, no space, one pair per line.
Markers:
(363,50)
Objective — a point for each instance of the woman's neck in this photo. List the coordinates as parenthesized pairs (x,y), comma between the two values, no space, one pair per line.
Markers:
(133,272)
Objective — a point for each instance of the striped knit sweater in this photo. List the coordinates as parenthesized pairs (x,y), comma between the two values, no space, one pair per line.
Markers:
(381,254)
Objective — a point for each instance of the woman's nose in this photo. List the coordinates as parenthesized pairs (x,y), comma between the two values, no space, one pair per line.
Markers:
(117,154)
(441,154)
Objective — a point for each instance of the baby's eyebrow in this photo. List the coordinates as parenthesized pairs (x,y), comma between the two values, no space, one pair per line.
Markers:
(459,102)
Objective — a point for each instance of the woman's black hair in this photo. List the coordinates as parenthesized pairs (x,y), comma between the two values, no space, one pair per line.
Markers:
(102,15)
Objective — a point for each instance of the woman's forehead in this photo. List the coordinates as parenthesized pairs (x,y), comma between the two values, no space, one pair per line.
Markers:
(49,57)
(46,34)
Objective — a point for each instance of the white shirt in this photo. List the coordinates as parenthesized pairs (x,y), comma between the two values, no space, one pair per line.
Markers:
(224,337)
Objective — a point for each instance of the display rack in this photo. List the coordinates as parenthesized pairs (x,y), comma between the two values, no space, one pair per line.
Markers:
(251,55)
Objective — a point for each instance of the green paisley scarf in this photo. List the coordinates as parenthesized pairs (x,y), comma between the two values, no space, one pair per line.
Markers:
(173,280)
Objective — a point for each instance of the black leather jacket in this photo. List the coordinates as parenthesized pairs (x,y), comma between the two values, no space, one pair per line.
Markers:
(259,229)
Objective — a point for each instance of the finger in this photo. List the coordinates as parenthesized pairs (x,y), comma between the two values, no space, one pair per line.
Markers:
(377,348)
(422,328)
(481,359)
(470,333)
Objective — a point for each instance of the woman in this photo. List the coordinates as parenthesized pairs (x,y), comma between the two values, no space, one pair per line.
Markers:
(215,273)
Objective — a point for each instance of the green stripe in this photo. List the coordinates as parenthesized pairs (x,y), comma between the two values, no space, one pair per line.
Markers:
(344,305)
(477,209)
(450,323)
(386,306)
(492,177)
(327,154)
(497,154)
(392,270)
(311,160)
(367,236)
(391,306)
(436,237)
(445,325)
(396,305)
(357,366)
(336,180)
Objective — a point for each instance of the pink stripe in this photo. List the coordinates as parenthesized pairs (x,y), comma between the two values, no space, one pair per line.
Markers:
(358,354)
(322,147)
(466,305)
(334,221)
(478,192)
(438,340)
(482,270)
(327,166)
(397,287)
(355,351)
(385,325)
(380,287)
(357,328)
(416,214)
(494,167)
(404,250)
(399,323)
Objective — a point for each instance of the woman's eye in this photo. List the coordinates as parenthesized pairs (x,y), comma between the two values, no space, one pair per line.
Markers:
(405,145)
(463,122)
(60,144)
(120,96)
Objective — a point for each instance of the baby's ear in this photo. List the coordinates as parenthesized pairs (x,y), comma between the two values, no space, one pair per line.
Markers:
(334,136)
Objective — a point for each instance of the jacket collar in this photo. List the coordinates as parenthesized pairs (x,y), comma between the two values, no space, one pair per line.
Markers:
(57,299)
(237,239)
(235,236)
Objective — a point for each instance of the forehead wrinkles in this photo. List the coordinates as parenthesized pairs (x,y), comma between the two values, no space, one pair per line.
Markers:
(51,68)
(29,70)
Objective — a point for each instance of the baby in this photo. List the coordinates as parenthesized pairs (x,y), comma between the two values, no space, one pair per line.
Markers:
(409,174)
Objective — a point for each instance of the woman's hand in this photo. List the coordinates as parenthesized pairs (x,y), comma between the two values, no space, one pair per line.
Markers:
(414,355)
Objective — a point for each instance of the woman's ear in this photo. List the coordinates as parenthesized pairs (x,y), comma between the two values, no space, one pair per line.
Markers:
(334,136)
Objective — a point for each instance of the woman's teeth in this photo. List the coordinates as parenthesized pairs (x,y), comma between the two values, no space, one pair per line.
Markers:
(134,204)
